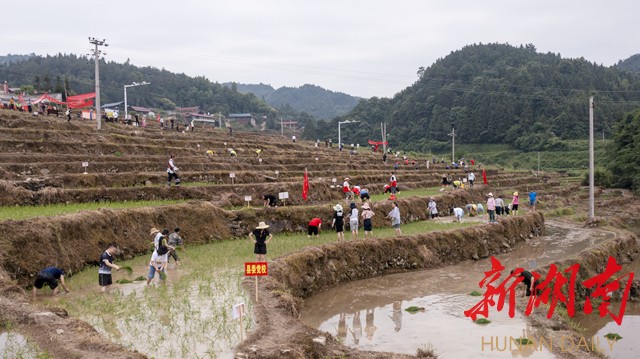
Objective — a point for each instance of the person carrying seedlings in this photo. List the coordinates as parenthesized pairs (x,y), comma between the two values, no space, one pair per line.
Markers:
(159,260)
(364,194)
(174,242)
(353,221)
(367,214)
(106,264)
(433,208)
(260,237)
(50,276)
(395,218)
(338,221)
(314,227)
(514,203)
(491,208)
(172,171)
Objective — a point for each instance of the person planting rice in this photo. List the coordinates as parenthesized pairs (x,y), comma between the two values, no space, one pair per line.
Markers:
(50,276)
(364,195)
(159,260)
(175,241)
(314,227)
(106,264)
(260,237)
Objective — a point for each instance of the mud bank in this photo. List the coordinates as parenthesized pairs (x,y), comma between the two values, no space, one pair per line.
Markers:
(303,273)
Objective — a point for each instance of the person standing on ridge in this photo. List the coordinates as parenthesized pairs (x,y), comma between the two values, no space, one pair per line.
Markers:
(514,203)
(338,221)
(533,197)
(491,207)
(395,218)
(260,237)
(172,171)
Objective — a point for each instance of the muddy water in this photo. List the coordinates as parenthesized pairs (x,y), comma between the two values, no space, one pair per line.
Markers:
(370,314)
(14,345)
(595,326)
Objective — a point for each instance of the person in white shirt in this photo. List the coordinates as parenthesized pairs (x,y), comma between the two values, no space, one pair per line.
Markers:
(395,218)
(433,209)
(353,221)
(172,172)
(471,177)
(458,213)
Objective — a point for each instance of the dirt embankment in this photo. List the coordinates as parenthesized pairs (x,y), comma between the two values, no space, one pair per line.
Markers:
(298,275)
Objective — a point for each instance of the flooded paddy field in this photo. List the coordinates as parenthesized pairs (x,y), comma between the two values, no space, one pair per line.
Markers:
(370,314)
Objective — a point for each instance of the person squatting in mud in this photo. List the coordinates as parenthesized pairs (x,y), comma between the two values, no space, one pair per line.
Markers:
(260,237)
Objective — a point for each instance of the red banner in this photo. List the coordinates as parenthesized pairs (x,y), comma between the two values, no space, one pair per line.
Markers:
(252,269)
(77,104)
(82,100)
(484,176)
(305,186)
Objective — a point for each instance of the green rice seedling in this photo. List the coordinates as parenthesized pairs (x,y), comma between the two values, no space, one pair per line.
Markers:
(482,321)
(124,281)
(139,278)
(414,309)
(163,275)
(475,293)
(128,269)
(523,341)
(613,336)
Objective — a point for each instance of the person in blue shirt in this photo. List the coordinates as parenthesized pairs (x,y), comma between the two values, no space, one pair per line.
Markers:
(533,197)
(50,276)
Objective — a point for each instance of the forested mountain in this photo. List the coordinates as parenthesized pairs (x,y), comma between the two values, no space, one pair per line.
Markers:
(166,91)
(495,93)
(311,99)
(13,58)
(630,64)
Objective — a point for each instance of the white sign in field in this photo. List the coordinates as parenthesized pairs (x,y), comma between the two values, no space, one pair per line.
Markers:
(283,195)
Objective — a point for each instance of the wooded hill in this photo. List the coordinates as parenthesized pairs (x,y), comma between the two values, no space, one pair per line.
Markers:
(495,93)
(167,89)
(318,102)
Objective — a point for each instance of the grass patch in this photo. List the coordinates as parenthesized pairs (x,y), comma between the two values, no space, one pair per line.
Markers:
(413,309)
(25,212)
(427,351)
(482,321)
(139,278)
(613,336)
(124,281)
(475,293)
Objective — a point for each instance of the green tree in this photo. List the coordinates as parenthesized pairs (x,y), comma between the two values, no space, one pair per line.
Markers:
(624,161)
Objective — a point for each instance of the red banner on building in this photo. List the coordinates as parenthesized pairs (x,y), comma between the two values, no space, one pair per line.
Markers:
(252,269)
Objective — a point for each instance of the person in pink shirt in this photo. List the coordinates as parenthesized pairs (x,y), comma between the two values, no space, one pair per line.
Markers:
(491,208)
(514,203)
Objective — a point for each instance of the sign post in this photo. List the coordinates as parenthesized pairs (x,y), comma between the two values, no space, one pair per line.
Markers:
(84,166)
(233,177)
(260,160)
(277,173)
(248,200)
(283,196)
(256,269)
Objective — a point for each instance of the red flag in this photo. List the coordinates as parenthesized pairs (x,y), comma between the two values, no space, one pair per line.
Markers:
(484,176)
(305,186)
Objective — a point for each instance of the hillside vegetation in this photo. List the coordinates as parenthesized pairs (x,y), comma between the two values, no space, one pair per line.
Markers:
(496,94)
(314,100)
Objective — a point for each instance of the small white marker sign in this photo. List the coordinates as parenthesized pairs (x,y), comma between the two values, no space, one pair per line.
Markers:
(232,175)
(283,195)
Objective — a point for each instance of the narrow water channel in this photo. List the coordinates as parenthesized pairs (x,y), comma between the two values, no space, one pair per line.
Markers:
(370,314)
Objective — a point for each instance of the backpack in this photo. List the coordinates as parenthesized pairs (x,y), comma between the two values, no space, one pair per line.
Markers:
(162,247)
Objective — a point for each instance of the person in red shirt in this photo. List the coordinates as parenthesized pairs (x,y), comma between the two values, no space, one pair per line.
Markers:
(356,190)
(346,188)
(314,227)
(393,183)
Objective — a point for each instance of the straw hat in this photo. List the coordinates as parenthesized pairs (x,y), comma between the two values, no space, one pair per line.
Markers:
(515,193)
(347,178)
(262,225)
(366,206)
(490,194)
(337,207)
(154,230)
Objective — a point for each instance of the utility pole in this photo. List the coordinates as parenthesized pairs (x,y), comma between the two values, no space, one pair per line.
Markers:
(96,58)
(126,113)
(453,145)
(281,127)
(591,163)
(383,129)
(340,134)
(538,162)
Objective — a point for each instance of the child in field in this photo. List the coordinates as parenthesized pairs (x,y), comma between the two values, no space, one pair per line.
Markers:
(106,264)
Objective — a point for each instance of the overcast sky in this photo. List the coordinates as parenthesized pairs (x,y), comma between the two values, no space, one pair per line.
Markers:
(363,48)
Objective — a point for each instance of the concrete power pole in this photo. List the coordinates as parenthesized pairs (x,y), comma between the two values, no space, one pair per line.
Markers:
(383,129)
(453,145)
(591,163)
(96,58)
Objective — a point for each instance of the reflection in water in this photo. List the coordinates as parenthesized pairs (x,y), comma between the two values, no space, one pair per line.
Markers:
(444,292)
(342,328)
(357,328)
(397,315)
(370,328)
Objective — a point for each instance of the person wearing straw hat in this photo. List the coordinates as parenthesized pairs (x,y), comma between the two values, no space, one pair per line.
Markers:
(491,207)
(367,214)
(514,203)
(260,237)
(338,220)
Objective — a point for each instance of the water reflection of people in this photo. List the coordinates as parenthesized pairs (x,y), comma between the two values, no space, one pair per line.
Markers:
(342,328)
(525,350)
(397,315)
(357,328)
(370,328)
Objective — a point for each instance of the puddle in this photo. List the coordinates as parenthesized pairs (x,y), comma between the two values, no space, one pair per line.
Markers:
(14,345)
(370,314)
(596,326)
